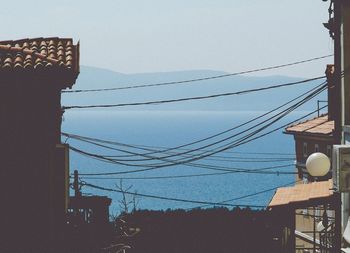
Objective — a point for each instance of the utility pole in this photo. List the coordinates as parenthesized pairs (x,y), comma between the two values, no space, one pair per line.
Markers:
(339,28)
(344,60)
(76,187)
(77,198)
(342,63)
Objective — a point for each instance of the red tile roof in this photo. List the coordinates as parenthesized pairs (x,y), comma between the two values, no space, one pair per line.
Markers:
(301,193)
(318,125)
(39,54)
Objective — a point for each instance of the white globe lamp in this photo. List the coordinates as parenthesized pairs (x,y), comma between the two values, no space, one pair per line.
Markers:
(318,164)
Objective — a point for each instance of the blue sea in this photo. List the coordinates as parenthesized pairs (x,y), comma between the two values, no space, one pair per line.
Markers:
(173,128)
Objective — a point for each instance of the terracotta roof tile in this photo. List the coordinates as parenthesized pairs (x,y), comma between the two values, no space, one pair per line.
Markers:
(62,53)
(301,193)
(318,125)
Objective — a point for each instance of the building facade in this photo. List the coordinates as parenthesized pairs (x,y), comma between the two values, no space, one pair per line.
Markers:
(314,135)
(311,136)
(34,164)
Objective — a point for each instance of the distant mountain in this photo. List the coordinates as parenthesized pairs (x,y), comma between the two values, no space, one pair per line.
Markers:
(93,78)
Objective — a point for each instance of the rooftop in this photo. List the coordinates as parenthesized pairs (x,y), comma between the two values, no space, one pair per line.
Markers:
(301,193)
(319,125)
(39,54)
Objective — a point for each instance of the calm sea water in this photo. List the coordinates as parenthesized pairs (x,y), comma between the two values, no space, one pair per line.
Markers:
(171,128)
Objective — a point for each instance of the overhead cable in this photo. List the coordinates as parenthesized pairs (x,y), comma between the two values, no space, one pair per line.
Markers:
(223,148)
(197,79)
(228,170)
(189,176)
(189,164)
(153,152)
(250,195)
(165,101)
(241,141)
(155,168)
(168,198)
(221,203)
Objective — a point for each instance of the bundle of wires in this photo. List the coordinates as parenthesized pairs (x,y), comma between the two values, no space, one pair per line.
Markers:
(151,158)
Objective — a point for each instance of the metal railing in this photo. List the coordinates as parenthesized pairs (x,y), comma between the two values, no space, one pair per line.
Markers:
(327,239)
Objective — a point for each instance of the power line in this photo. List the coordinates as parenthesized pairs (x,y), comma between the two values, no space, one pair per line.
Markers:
(276,129)
(241,141)
(197,79)
(154,168)
(93,140)
(143,147)
(186,176)
(167,198)
(225,159)
(192,98)
(249,195)
(216,158)
(211,158)
(204,139)
(206,154)
(197,165)
(163,148)
(122,162)
(206,203)
(246,139)
(226,169)
(167,149)
(237,143)
(190,164)
(220,157)
(184,155)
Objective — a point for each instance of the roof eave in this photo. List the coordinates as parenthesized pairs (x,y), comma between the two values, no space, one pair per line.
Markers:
(330,135)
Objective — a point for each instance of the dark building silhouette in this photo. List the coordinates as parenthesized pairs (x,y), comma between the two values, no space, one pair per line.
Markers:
(92,210)
(34,163)
(88,227)
(218,230)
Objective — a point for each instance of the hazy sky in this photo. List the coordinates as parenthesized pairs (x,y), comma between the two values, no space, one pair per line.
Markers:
(161,35)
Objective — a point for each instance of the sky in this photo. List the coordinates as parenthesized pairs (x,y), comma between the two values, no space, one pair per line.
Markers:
(137,36)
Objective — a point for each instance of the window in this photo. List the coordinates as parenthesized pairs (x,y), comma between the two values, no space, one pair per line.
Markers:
(329,150)
(317,148)
(305,149)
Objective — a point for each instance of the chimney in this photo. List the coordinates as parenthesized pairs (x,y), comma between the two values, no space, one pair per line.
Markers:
(331,92)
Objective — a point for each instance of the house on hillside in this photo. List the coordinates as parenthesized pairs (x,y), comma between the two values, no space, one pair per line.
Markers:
(311,136)
(315,135)
(321,232)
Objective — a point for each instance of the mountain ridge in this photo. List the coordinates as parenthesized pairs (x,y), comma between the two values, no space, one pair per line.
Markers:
(95,78)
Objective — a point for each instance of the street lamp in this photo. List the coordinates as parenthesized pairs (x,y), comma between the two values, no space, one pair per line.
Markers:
(318,164)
